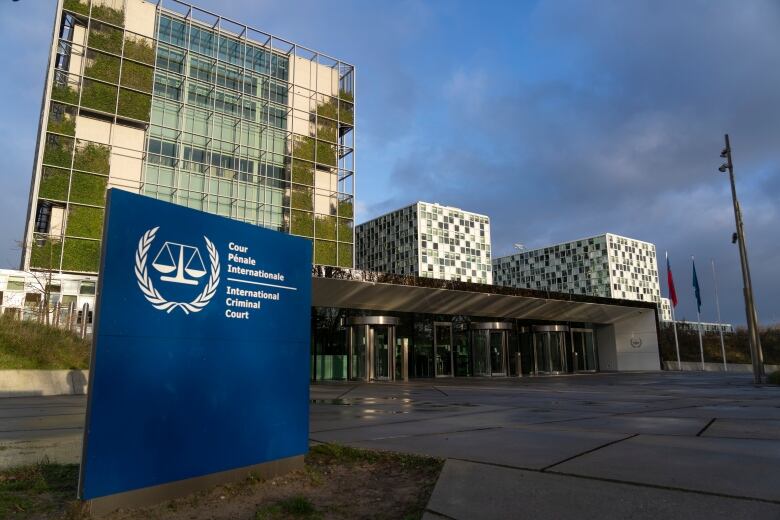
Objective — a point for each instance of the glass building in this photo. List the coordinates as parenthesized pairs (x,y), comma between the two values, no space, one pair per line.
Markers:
(177,103)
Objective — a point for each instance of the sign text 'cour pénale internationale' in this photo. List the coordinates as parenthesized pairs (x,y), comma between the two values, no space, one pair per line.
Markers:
(248,286)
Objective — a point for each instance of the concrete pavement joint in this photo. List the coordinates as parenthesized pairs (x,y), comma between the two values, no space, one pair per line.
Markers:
(442,391)
(706,426)
(610,443)
(346,392)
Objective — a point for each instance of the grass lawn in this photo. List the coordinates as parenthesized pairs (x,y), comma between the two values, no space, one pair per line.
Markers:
(337,482)
(27,344)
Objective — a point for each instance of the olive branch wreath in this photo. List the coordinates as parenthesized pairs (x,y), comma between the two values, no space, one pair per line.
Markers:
(153,295)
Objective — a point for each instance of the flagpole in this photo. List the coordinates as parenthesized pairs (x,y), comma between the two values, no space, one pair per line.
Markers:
(720,327)
(672,304)
(698,315)
(676,343)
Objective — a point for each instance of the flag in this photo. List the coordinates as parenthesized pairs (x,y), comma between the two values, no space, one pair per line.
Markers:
(696,286)
(670,282)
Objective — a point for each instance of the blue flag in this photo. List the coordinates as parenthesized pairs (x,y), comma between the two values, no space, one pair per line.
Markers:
(696,286)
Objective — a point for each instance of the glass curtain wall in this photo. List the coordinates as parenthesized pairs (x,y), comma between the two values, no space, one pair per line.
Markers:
(253,128)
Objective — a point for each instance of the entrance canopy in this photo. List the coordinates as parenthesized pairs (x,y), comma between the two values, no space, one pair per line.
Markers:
(372,291)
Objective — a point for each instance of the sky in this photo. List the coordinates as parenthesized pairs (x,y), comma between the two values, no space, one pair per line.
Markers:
(558,119)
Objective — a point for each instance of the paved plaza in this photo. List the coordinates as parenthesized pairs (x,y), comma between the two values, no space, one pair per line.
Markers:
(588,446)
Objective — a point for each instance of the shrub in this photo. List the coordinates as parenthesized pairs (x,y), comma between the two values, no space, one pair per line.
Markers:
(108,14)
(65,93)
(58,150)
(326,227)
(324,252)
(134,105)
(66,125)
(774,378)
(88,189)
(345,230)
(81,255)
(99,96)
(105,38)
(139,49)
(347,113)
(84,221)
(92,157)
(302,198)
(327,130)
(303,147)
(77,6)
(102,66)
(345,208)
(346,96)
(137,76)
(302,224)
(303,172)
(326,153)
(46,253)
(328,109)
(54,184)
(345,255)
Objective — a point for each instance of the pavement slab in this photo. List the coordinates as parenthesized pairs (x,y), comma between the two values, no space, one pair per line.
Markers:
(730,467)
(467,490)
(768,429)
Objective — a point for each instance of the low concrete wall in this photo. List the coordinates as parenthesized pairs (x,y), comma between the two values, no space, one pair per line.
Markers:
(737,368)
(15,383)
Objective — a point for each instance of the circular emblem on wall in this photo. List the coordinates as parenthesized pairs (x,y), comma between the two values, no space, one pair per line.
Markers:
(636,341)
(178,264)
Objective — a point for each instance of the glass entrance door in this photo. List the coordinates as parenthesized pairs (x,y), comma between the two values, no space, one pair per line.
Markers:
(372,352)
(583,350)
(442,344)
(497,352)
(479,351)
(550,349)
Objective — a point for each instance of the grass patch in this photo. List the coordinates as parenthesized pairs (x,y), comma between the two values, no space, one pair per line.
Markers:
(31,345)
(37,490)
(293,507)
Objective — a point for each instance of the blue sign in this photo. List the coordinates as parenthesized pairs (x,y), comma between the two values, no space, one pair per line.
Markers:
(201,351)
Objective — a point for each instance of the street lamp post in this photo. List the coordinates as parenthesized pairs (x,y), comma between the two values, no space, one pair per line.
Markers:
(756,354)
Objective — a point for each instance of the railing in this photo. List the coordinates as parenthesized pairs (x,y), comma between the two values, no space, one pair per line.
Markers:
(66,317)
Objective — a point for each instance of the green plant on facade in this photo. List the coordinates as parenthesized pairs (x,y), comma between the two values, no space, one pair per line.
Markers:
(328,109)
(346,96)
(324,252)
(84,221)
(54,184)
(45,253)
(108,14)
(139,49)
(92,157)
(302,198)
(81,255)
(105,38)
(345,230)
(134,105)
(137,76)
(88,189)
(303,172)
(326,227)
(303,147)
(345,208)
(66,125)
(327,130)
(102,66)
(347,113)
(58,150)
(345,255)
(65,93)
(302,224)
(99,96)
(77,6)
(326,153)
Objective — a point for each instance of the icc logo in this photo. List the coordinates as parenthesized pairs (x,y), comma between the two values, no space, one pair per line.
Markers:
(179,264)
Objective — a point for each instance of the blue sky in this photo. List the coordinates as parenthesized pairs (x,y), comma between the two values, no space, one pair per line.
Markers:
(558,119)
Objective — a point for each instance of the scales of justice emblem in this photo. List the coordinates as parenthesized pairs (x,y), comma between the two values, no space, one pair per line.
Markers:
(180,264)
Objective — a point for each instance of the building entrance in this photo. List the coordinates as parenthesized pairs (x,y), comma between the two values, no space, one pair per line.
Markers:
(583,351)
(372,349)
(549,346)
(489,348)
(442,345)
